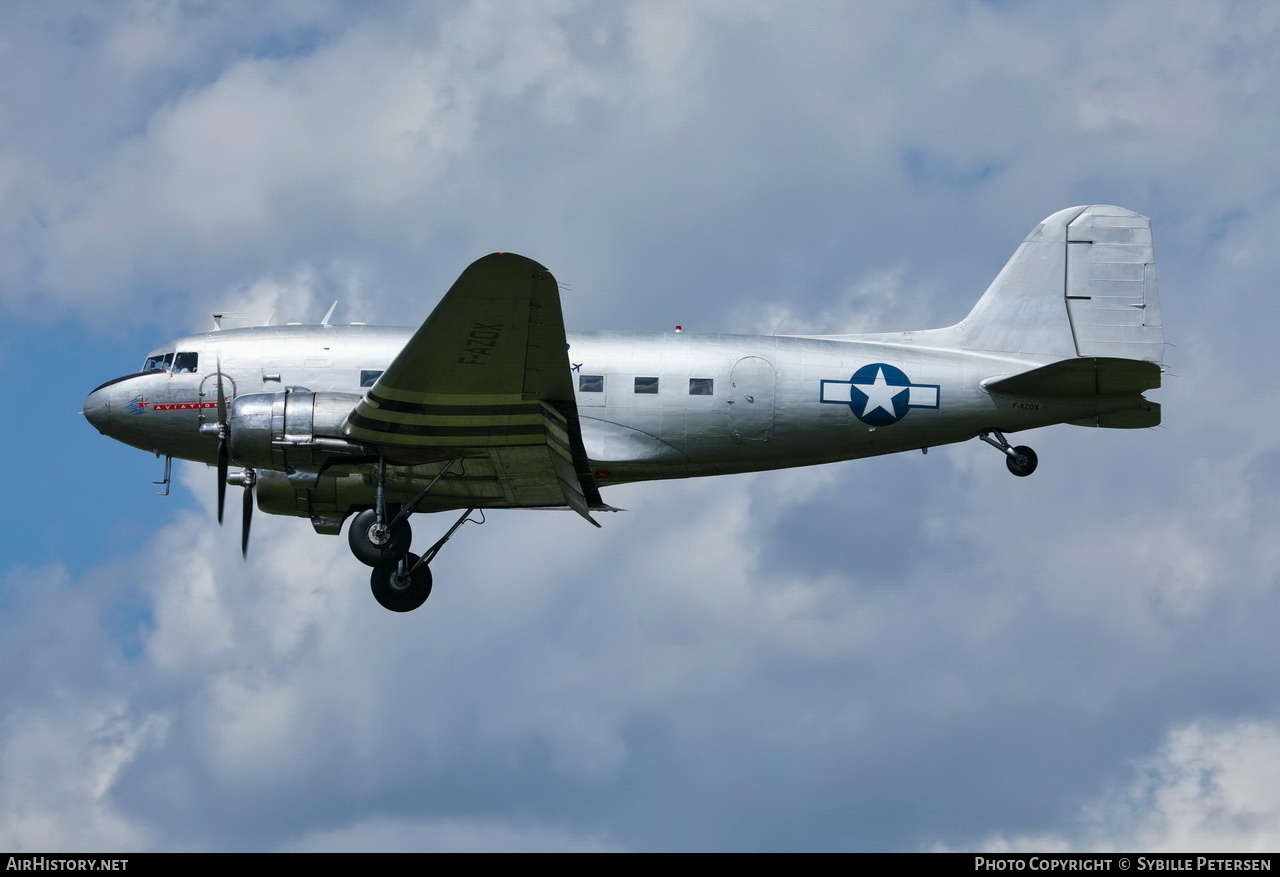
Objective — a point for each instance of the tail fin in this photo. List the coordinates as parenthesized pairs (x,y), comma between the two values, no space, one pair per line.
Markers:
(1083,283)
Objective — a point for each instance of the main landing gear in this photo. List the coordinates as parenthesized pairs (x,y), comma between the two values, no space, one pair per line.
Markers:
(380,537)
(406,584)
(378,543)
(1020,460)
(403,587)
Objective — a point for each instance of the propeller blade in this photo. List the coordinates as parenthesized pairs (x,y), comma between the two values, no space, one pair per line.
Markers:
(222,402)
(224,456)
(246,519)
(222,476)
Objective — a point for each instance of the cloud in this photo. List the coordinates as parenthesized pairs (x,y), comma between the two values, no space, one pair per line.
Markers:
(882,302)
(61,762)
(448,836)
(541,696)
(1211,787)
(70,726)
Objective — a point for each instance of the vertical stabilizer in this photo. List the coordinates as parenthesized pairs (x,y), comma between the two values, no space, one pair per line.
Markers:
(1083,283)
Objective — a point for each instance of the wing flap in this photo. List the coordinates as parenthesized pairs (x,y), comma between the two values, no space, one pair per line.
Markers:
(539,477)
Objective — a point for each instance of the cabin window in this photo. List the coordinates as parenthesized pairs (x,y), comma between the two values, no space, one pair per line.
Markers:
(647,385)
(186,363)
(590,383)
(702,387)
(369,376)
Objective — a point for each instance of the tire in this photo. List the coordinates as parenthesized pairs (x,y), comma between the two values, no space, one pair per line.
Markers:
(396,595)
(372,554)
(1023,463)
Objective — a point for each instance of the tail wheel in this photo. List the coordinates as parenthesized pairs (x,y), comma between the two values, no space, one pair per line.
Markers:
(402,587)
(1022,462)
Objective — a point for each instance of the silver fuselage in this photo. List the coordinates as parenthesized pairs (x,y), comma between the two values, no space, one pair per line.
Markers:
(762,402)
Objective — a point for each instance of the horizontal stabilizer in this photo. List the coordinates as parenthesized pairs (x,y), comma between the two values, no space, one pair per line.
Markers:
(1086,376)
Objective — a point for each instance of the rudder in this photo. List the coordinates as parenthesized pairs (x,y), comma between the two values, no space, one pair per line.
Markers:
(1111,285)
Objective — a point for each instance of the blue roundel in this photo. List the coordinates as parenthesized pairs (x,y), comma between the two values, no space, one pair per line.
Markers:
(879,394)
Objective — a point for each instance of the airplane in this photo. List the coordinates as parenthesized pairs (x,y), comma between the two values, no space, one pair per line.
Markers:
(491,404)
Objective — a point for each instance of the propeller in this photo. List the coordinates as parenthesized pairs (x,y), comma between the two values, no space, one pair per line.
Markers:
(224,455)
(246,479)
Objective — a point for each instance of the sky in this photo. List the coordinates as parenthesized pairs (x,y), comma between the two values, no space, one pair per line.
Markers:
(905,653)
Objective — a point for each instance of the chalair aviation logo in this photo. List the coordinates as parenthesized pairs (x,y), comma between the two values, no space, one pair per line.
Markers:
(880,394)
(140,404)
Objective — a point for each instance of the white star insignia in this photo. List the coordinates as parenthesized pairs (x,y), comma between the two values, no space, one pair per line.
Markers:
(880,394)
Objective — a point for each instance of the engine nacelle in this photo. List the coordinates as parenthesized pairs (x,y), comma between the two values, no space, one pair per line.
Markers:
(294,429)
(326,503)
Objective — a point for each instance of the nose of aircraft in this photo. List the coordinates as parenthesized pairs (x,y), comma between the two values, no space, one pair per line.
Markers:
(97,409)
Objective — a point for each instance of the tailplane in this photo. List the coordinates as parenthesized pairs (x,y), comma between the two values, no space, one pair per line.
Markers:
(1117,386)
(1083,284)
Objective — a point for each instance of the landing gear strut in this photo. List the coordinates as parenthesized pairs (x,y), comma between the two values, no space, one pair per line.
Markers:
(1020,460)
(380,537)
(406,585)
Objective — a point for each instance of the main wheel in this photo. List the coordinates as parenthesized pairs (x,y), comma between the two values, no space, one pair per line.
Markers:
(401,592)
(1023,462)
(379,546)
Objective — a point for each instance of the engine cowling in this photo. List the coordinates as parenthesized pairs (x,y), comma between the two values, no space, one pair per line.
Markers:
(327,501)
(290,430)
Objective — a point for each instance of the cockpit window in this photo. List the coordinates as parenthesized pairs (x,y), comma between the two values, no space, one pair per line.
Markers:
(179,363)
(158,361)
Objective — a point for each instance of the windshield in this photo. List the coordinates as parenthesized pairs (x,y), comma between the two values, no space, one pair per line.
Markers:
(158,361)
(179,363)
